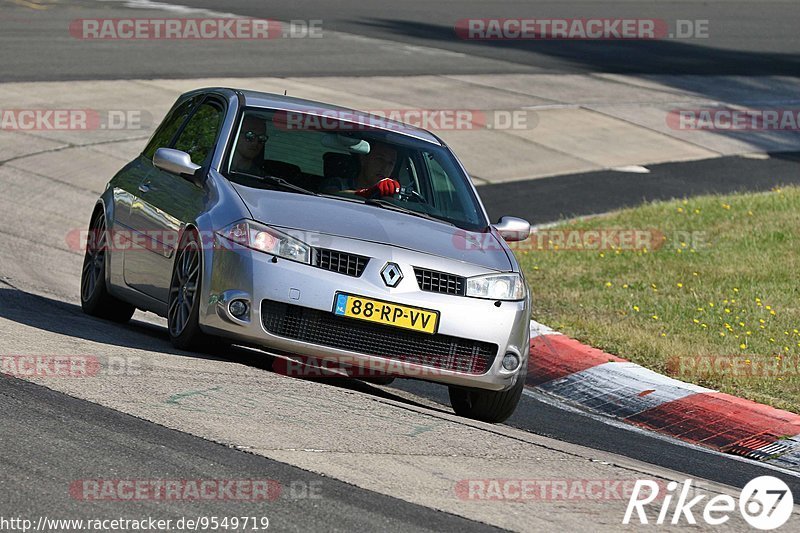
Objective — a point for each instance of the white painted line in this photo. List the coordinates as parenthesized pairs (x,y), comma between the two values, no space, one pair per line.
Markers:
(633,169)
(538,329)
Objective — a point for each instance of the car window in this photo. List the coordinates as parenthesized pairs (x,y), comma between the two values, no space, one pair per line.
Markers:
(299,148)
(170,126)
(200,134)
(345,161)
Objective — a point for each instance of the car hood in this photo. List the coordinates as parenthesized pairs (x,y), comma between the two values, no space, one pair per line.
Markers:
(369,223)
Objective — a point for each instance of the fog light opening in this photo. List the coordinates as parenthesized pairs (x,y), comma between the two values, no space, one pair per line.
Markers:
(511,361)
(239,308)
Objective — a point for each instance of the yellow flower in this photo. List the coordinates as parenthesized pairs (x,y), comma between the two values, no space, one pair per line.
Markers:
(624,285)
(663,334)
(695,321)
(602,254)
(743,346)
(727,310)
(636,308)
(680,285)
(748,332)
(654,317)
(741,324)
(721,333)
(700,309)
(711,304)
(761,320)
(735,289)
(767,307)
(726,206)
(747,361)
(608,283)
(772,312)
(680,210)
(695,274)
(696,211)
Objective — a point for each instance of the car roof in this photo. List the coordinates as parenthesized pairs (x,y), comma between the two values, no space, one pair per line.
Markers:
(311,107)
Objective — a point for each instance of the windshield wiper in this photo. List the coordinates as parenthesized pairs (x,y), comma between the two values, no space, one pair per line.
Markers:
(276,181)
(394,207)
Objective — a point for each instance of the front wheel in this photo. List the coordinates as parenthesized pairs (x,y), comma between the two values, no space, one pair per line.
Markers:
(95,298)
(184,296)
(486,405)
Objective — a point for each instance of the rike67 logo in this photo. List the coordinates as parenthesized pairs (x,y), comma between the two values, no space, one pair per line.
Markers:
(765,503)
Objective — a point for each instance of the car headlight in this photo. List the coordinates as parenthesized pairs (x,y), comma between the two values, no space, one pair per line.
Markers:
(268,240)
(497,287)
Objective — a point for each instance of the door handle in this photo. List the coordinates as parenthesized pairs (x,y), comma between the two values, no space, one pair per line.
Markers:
(144,187)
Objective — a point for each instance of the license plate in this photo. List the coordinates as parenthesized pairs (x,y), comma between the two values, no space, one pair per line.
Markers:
(390,314)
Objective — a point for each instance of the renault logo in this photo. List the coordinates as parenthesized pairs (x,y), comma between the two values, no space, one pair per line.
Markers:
(391,274)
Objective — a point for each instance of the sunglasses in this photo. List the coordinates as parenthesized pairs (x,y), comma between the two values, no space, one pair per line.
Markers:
(251,136)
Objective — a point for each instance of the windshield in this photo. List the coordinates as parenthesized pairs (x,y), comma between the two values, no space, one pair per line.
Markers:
(352,162)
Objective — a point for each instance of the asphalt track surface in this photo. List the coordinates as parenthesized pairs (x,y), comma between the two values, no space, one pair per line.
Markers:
(384,37)
(751,38)
(49,440)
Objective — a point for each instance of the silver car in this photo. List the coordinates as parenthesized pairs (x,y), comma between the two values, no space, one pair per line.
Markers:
(320,234)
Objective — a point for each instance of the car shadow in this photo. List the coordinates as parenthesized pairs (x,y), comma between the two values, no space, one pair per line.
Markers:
(556,198)
(63,318)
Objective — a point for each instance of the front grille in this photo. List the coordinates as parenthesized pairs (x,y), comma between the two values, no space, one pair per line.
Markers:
(341,262)
(433,281)
(326,329)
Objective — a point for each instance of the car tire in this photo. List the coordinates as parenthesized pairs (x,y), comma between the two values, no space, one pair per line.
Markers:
(486,405)
(95,298)
(183,309)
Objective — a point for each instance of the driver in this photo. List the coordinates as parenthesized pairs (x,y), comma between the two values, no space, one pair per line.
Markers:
(375,166)
(249,154)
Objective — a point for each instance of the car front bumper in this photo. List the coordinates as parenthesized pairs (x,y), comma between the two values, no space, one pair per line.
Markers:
(240,273)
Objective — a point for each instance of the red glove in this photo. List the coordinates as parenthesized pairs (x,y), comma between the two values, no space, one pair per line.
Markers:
(385,187)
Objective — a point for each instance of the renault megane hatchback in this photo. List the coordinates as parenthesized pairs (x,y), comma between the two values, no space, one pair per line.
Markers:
(304,228)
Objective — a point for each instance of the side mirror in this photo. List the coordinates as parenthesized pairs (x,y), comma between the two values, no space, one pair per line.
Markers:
(513,229)
(176,162)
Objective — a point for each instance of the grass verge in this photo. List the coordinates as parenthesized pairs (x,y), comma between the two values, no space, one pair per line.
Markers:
(708,294)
